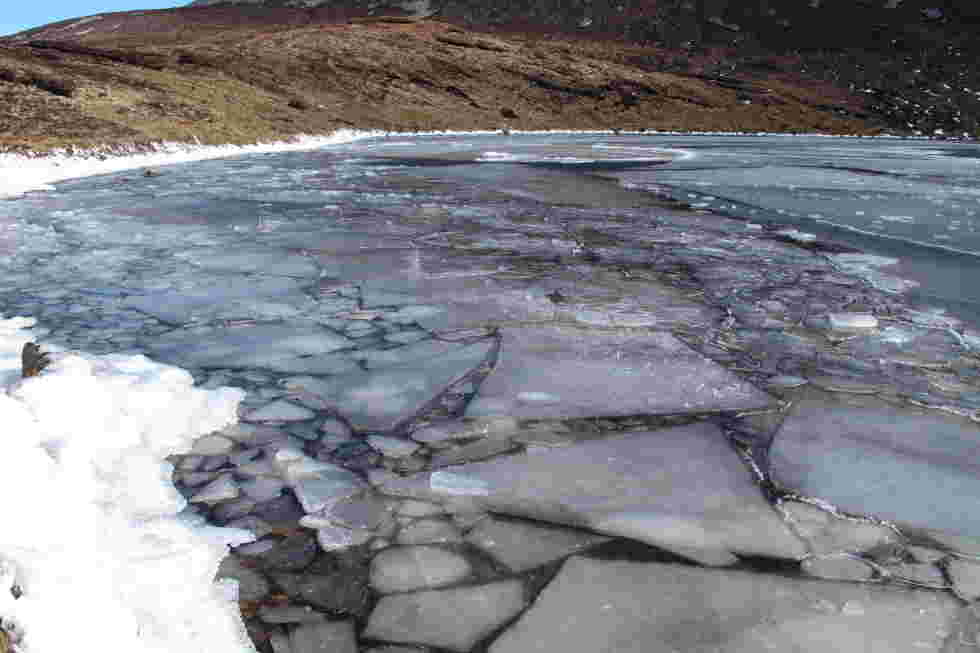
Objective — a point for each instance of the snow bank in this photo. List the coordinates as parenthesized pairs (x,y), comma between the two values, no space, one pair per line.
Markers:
(22,173)
(91,539)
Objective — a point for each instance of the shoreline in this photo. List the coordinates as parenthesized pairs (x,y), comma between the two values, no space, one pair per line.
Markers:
(61,164)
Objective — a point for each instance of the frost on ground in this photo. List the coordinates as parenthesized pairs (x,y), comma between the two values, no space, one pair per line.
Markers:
(94,533)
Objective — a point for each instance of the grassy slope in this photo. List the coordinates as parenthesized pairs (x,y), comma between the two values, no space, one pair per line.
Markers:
(246,83)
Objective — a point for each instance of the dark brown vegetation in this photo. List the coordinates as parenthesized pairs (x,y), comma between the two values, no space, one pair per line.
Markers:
(244,74)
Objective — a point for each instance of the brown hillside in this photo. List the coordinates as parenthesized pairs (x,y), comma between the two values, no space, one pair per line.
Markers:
(233,74)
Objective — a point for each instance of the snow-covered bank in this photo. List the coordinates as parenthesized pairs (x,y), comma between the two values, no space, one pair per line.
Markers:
(21,173)
(93,550)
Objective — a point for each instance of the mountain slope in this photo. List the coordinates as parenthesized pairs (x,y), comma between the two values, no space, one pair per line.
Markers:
(246,73)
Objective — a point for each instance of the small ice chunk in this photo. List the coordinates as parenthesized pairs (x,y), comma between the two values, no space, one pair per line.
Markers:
(363,511)
(212,445)
(220,489)
(524,545)
(252,435)
(316,494)
(393,447)
(332,538)
(413,508)
(798,236)
(263,489)
(257,468)
(786,381)
(280,411)
(408,568)
(332,636)
(334,427)
(454,619)
(826,533)
(852,321)
(429,531)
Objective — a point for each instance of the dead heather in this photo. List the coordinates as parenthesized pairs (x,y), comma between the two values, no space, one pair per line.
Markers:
(249,84)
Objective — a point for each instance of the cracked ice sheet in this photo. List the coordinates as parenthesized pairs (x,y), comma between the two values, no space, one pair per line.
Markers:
(252,261)
(247,346)
(384,399)
(596,606)
(868,457)
(569,372)
(683,489)
(206,297)
(499,291)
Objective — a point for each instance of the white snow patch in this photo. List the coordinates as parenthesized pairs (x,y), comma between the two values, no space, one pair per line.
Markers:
(93,533)
(22,173)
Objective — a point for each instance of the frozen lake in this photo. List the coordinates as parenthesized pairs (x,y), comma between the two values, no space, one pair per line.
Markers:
(491,381)
(916,201)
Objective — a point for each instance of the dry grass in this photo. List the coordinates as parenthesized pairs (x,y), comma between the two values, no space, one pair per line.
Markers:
(248,84)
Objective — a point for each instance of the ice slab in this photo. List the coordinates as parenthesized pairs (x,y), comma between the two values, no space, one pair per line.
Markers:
(247,346)
(384,399)
(279,411)
(407,568)
(521,545)
(567,372)
(596,606)
(455,619)
(498,291)
(869,457)
(683,489)
(333,636)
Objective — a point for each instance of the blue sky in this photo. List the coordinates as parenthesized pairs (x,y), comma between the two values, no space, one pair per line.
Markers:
(18,15)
